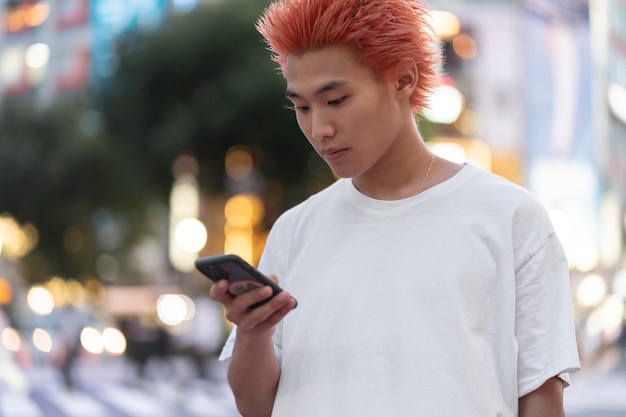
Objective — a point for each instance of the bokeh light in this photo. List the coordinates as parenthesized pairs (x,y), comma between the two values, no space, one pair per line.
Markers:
(91,340)
(42,340)
(37,55)
(113,341)
(11,339)
(238,163)
(591,290)
(445,24)
(40,300)
(173,309)
(190,234)
(464,46)
(445,105)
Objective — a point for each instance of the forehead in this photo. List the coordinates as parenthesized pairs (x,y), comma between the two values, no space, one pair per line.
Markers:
(324,69)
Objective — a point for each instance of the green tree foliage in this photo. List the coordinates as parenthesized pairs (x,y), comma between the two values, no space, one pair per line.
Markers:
(52,176)
(201,84)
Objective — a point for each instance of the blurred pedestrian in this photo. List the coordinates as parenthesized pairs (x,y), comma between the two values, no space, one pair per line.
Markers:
(424,287)
(71,322)
(11,374)
(204,335)
(146,342)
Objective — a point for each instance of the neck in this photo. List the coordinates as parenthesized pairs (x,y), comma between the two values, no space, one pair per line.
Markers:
(407,173)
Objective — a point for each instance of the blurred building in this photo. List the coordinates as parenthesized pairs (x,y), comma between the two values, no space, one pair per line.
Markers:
(543,102)
(44,49)
(610,19)
(484,60)
(544,86)
(48,47)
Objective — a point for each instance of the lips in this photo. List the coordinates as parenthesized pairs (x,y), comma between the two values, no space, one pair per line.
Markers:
(333,155)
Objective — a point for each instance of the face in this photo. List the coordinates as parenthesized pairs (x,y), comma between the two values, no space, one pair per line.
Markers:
(350,116)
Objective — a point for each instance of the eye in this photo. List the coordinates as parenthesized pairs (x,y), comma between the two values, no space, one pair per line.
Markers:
(337,101)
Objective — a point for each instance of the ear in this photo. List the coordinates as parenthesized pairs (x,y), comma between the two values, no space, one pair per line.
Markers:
(407,77)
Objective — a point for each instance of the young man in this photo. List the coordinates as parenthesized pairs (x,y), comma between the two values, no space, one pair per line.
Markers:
(424,287)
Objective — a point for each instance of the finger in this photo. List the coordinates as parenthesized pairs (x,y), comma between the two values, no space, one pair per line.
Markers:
(267,327)
(282,309)
(238,309)
(250,298)
(270,313)
(274,279)
(219,292)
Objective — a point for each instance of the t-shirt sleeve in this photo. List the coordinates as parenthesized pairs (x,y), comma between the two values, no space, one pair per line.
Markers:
(544,318)
(227,349)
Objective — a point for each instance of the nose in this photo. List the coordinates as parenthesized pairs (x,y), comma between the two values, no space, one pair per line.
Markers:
(321,126)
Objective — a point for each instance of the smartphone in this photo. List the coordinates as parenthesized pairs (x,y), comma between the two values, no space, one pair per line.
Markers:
(242,277)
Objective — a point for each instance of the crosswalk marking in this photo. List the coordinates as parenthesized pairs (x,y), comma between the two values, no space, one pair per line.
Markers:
(588,393)
(134,402)
(18,405)
(76,404)
(107,392)
(199,405)
(108,398)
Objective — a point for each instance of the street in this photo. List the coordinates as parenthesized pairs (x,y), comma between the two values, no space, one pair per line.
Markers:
(597,393)
(111,389)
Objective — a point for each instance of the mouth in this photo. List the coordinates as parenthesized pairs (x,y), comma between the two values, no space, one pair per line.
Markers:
(332,155)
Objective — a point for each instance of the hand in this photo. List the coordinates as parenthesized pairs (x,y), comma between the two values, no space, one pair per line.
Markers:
(257,323)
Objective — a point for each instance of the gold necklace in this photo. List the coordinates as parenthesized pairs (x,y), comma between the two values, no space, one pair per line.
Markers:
(430,165)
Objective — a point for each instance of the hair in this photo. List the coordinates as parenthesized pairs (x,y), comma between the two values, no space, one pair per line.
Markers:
(384,33)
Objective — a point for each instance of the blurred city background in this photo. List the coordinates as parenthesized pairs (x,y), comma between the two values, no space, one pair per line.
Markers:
(138,135)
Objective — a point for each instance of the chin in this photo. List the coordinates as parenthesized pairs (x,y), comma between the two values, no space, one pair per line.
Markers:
(339,173)
(343,170)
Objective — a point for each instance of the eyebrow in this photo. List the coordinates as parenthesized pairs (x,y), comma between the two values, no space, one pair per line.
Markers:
(326,87)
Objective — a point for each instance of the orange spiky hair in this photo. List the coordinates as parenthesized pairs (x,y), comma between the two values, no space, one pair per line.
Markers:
(383,32)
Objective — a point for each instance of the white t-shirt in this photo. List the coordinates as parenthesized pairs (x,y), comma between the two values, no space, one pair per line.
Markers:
(451,303)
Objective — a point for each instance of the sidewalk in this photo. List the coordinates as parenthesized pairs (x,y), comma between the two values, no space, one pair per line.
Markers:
(598,390)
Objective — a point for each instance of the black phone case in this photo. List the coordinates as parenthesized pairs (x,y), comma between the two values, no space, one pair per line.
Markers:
(241,276)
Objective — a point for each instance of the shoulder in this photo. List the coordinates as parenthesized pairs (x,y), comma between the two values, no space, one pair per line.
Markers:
(298,223)
(488,186)
(486,194)
(320,201)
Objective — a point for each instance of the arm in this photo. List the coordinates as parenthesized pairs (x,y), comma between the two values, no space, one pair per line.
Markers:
(253,372)
(253,375)
(545,401)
